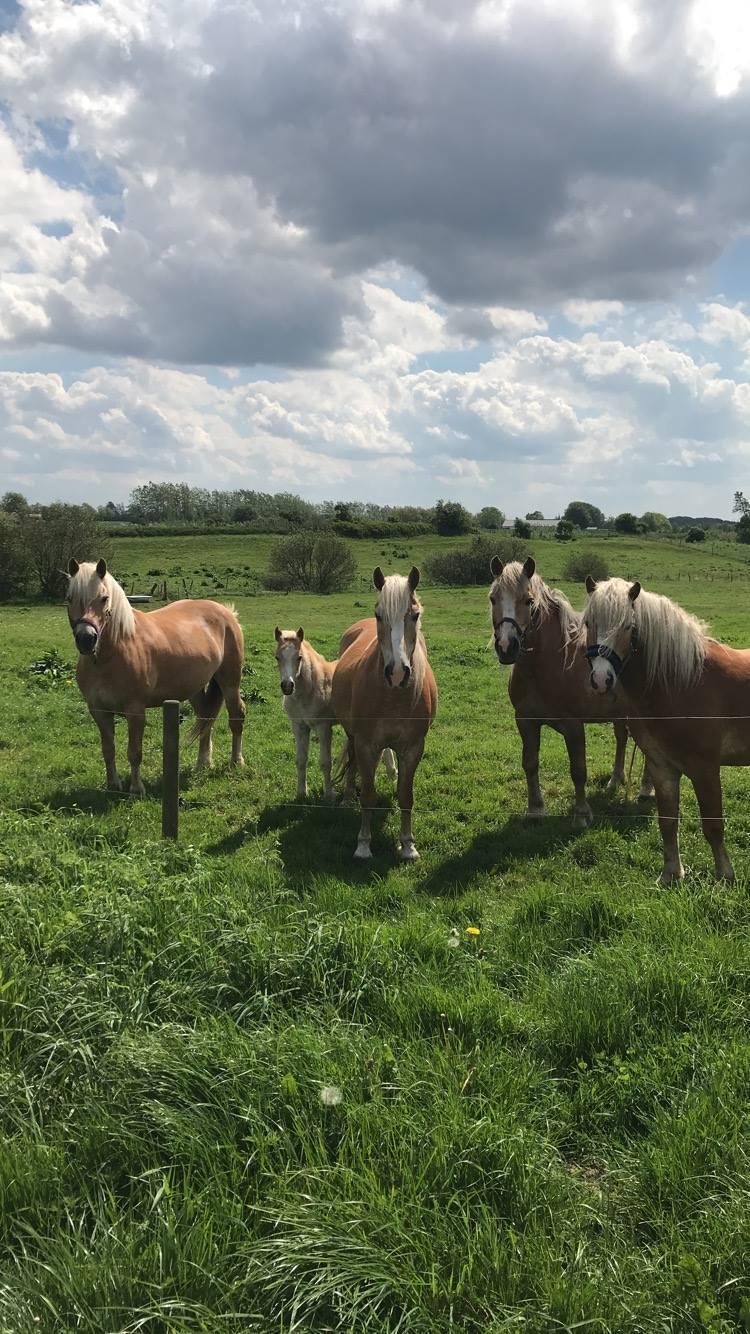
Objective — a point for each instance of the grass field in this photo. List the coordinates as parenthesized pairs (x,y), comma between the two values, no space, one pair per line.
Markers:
(246,1084)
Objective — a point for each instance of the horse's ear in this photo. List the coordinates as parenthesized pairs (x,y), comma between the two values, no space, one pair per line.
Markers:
(300,634)
(72,567)
(277,633)
(101,568)
(590,584)
(634,590)
(413,579)
(496,567)
(529,566)
(378,578)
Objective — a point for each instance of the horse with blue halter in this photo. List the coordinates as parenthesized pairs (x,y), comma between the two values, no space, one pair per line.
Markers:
(686,698)
(130,661)
(539,634)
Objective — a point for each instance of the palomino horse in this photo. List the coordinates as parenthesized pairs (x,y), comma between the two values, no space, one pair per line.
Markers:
(131,661)
(537,630)
(305,679)
(384,695)
(686,697)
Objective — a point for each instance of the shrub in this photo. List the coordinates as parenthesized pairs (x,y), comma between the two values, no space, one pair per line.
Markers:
(14,562)
(743,529)
(564,531)
(471,565)
(626,523)
(522,529)
(54,534)
(696,535)
(315,562)
(580,563)
(654,522)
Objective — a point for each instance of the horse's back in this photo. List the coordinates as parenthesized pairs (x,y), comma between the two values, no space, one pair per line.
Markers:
(367,627)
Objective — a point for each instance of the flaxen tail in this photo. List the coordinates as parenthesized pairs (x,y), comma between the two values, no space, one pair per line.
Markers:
(207,705)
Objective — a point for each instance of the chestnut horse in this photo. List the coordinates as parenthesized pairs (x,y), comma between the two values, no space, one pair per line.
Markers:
(384,695)
(131,661)
(536,629)
(686,698)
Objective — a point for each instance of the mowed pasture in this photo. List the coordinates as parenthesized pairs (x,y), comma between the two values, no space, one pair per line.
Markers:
(248,1084)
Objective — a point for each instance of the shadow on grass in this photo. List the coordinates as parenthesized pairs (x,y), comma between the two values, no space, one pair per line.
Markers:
(315,838)
(97,800)
(518,840)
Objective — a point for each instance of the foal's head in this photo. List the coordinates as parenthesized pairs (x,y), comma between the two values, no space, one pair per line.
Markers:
(289,657)
(397,613)
(512,602)
(90,599)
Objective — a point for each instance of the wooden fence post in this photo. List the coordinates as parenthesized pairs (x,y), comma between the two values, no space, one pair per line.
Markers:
(170,801)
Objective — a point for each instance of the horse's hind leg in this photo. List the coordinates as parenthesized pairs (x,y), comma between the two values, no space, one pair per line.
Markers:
(106,724)
(708,791)
(530,732)
(205,705)
(367,761)
(389,762)
(575,741)
(646,790)
(136,725)
(667,784)
(236,711)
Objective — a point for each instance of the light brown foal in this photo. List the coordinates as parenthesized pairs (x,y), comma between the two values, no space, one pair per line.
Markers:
(384,695)
(131,661)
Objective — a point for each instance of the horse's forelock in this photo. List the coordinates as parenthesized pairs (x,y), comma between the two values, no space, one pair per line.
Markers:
(672,640)
(396,597)
(84,586)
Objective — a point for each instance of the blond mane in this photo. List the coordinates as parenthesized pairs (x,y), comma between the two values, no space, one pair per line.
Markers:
(547,602)
(673,641)
(395,600)
(83,588)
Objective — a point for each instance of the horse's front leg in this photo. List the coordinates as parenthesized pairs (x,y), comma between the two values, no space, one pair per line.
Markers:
(325,733)
(136,725)
(302,746)
(106,724)
(575,741)
(530,732)
(708,791)
(407,767)
(618,769)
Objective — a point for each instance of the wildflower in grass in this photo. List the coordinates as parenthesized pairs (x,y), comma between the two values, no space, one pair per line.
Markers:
(473,931)
(453,940)
(331,1095)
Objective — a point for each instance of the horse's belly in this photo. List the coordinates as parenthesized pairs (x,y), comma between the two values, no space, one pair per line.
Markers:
(735,744)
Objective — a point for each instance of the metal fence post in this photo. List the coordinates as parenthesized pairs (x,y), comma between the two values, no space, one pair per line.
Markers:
(170,802)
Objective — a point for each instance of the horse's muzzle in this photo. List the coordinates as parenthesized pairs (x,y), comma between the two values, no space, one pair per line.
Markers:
(287,687)
(86,639)
(507,656)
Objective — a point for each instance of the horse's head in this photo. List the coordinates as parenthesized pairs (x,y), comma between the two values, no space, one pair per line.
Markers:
(512,606)
(397,613)
(289,657)
(88,602)
(611,634)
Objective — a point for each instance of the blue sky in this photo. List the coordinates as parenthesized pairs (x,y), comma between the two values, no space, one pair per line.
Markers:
(382,249)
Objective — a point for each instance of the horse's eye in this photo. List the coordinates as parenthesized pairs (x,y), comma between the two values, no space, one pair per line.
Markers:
(529,601)
(415,616)
(378,617)
(492,600)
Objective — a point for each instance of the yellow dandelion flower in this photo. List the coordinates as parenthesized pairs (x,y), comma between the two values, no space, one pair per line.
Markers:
(473,931)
